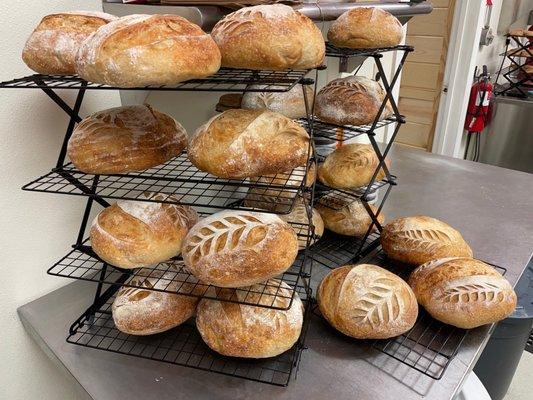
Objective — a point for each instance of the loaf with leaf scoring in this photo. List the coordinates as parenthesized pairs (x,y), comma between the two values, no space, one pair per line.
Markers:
(367,302)
(239,248)
(141,50)
(134,234)
(299,220)
(354,100)
(290,103)
(419,239)
(350,166)
(272,37)
(125,139)
(248,143)
(463,292)
(239,330)
(138,309)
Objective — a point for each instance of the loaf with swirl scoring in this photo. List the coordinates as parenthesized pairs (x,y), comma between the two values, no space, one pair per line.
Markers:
(463,292)
(274,37)
(367,302)
(419,239)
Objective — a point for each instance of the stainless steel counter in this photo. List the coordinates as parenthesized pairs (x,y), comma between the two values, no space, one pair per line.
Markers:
(491,206)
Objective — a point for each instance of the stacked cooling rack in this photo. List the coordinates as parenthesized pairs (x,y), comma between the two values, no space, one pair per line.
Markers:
(518,74)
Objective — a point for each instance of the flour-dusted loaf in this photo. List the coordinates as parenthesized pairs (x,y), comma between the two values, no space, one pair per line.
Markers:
(354,100)
(141,50)
(239,330)
(350,166)
(463,292)
(125,139)
(239,248)
(51,48)
(134,234)
(291,103)
(271,37)
(366,27)
(299,221)
(140,310)
(346,216)
(419,239)
(367,302)
(248,143)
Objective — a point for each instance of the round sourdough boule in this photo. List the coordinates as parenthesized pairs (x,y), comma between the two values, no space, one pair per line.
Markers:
(346,216)
(291,103)
(239,330)
(367,302)
(125,139)
(271,37)
(248,143)
(364,28)
(51,48)
(350,166)
(300,223)
(134,234)
(142,50)
(463,292)
(239,248)
(140,311)
(419,239)
(354,100)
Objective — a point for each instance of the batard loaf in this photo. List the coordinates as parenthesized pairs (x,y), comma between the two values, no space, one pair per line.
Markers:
(141,50)
(463,292)
(299,221)
(239,248)
(367,302)
(365,27)
(51,48)
(248,143)
(350,166)
(291,103)
(239,330)
(267,37)
(125,139)
(134,234)
(354,100)
(419,239)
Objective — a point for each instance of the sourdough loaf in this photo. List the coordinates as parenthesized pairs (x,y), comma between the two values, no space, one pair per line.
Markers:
(299,220)
(290,103)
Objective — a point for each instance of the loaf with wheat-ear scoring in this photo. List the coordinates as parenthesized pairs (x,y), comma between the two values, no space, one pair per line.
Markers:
(51,48)
(125,139)
(291,103)
(239,248)
(239,330)
(367,302)
(463,292)
(136,233)
(419,239)
(142,50)
(248,143)
(274,37)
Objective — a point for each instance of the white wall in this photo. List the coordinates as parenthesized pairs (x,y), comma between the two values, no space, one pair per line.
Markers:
(36,229)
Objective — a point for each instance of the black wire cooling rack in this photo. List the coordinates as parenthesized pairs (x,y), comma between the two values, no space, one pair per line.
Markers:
(333,51)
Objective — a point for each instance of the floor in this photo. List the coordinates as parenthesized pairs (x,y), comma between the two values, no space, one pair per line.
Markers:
(522,386)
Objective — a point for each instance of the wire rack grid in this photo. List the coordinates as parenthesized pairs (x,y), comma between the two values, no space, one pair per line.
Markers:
(334,51)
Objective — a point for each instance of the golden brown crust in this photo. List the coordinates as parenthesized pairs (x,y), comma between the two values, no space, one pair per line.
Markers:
(300,221)
(269,37)
(124,139)
(366,27)
(463,292)
(291,103)
(367,302)
(248,143)
(419,239)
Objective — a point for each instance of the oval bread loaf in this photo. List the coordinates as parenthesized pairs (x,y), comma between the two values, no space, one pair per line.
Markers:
(367,302)
(299,221)
(239,330)
(463,292)
(419,239)
(248,143)
(354,100)
(291,103)
(51,48)
(239,248)
(350,166)
(125,139)
(142,50)
(271,37)
(364,28)
(134,234)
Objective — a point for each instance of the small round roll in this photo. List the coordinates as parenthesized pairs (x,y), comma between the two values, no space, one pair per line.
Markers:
(239,330)
(291,103)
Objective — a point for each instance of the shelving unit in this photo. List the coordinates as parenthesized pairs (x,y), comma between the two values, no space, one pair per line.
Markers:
(519,79)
